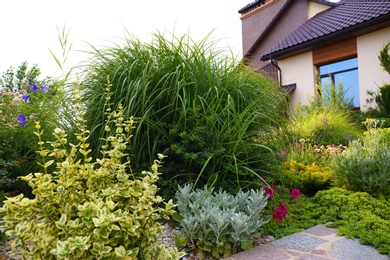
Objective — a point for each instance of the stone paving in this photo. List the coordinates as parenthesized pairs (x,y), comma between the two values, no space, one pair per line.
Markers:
(316,243)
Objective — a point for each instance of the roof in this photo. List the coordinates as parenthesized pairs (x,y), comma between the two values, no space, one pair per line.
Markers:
(346,17)
(251,6)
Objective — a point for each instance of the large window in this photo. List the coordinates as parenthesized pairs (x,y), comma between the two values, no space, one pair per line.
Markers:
(342,73)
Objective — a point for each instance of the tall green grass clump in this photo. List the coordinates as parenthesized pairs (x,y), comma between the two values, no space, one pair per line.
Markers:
(198,106)
(324,126)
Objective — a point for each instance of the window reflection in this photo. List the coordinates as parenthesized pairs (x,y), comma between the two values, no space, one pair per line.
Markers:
(343,73)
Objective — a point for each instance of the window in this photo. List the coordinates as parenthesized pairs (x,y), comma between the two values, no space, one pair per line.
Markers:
(342,73)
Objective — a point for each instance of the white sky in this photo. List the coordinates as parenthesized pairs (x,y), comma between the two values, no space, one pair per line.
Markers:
(28,27)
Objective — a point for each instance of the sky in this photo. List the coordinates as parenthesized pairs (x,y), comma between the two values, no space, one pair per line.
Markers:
(29,27)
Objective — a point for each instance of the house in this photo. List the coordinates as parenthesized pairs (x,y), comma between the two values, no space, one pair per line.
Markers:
(292,40)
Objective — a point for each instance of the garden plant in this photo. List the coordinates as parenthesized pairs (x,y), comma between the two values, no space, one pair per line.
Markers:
(197,106)
(85,209)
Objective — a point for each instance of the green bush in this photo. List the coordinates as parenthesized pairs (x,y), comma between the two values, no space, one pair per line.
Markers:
(381,101)
(89,210)
(218,222)
(200,108)
(305,166)
(309,178)
(357,215)
(365,165)
(324,126)
(25,99)
(354,214)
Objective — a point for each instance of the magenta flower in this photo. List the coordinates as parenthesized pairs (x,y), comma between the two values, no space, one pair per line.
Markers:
(25,97)
(280,212)
(22,119)
(33,88)
(44,88)
(270,191)
(295,193)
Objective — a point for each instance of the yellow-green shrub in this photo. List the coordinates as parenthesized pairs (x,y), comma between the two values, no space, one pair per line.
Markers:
(89,210)
(309,178)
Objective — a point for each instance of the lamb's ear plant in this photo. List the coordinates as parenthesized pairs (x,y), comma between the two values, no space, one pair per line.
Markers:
(220,223)
(86,209)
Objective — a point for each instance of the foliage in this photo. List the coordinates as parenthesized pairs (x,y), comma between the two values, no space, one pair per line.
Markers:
(354,214)
(382,102)
(22,101)
(85,209)
(307,177)
(198,106)
(16,80)
(324,126)
(218,222)
(365,166)
(330,96)
(384,57)
(4,182)
(305,166)
(381,97)
(371,123)
(358,215)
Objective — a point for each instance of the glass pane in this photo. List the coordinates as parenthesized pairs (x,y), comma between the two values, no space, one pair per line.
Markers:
(338,66)
(350,83)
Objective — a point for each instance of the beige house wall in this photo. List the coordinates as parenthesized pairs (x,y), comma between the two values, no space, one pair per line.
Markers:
(299,70)
(371,74)
(315,8)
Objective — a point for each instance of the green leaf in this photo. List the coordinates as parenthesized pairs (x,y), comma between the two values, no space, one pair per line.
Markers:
(48,163)
(120,251)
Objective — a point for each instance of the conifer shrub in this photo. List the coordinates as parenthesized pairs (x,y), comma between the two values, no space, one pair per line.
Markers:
(85,209)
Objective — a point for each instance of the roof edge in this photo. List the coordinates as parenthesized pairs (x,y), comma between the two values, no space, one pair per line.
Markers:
(324,38)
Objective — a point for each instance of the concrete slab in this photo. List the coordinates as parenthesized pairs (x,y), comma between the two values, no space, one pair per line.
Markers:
(351,249)
(299,241)
(320,231)
(261,252)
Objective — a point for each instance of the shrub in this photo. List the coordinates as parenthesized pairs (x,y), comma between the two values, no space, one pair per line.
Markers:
(200,108)
(354,214)
(357,215)
(307,177)
(23,100)
(365,166)
(324,126)
(218,222)
(85,209)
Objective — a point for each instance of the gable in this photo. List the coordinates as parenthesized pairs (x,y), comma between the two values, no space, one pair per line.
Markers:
(349,19)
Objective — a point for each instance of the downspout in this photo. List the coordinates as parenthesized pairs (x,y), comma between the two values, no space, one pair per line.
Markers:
(280,71)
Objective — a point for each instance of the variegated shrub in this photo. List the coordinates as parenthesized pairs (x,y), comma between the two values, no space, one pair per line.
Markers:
(85,209)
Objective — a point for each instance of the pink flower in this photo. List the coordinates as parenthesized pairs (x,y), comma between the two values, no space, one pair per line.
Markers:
(280,212)
(295,193)
(270,191)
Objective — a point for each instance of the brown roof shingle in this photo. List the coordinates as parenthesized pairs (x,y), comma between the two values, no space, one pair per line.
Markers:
(348,14)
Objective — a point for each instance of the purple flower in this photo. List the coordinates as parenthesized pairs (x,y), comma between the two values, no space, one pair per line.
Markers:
(44,88)
(22,119)
(270,191)
(25,97)
(295,193)
(280,212)
(33,88)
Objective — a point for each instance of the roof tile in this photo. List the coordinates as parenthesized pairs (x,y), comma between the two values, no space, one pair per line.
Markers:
(348,13)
